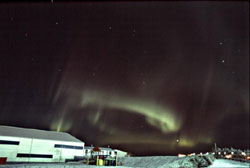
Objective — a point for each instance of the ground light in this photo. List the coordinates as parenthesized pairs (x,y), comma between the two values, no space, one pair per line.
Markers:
(181,155)
(228,156)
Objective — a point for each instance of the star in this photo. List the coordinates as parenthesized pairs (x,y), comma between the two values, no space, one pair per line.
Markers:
(133,34)
(221,43)
(57,23)
(110,27)
(223,61)
(177,140)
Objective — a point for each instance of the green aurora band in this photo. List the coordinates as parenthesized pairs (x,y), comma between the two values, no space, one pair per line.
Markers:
(156,115)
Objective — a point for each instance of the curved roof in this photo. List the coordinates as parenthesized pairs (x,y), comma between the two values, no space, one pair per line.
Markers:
(36,134)
(101,148)
(96,149)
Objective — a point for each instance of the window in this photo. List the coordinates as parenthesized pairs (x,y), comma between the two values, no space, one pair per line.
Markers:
(68,146)
(5,142)
(77,158)
(34,155)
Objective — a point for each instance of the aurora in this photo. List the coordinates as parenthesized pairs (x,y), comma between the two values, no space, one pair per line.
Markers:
(157,115)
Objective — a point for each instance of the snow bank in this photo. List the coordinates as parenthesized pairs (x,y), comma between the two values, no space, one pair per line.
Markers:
(153,162)
(167,161)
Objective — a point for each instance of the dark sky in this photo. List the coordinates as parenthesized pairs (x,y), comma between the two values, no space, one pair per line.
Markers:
(151,78)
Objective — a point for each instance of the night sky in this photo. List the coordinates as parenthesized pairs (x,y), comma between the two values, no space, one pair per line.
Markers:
(151,78)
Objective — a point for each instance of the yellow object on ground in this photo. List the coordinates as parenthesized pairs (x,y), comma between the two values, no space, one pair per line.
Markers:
(100,162)
(88,161)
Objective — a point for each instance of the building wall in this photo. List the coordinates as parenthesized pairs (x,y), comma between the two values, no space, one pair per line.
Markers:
(121,153)
(36,150)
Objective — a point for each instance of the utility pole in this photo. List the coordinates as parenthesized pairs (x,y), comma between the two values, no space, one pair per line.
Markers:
(215,147)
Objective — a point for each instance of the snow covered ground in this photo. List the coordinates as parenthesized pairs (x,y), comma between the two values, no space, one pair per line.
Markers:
(127,162)
(156,161)
(56,165)
(139,162)
(218,163)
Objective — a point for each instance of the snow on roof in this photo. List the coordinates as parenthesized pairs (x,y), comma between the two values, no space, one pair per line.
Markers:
(119,150)
(36,134)
(102,148)
(108,149)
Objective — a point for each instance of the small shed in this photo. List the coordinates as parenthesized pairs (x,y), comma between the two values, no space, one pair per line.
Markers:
(103,151)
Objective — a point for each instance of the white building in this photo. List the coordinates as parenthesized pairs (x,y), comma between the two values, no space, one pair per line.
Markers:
(120,153)
(103,151)
(32,145)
